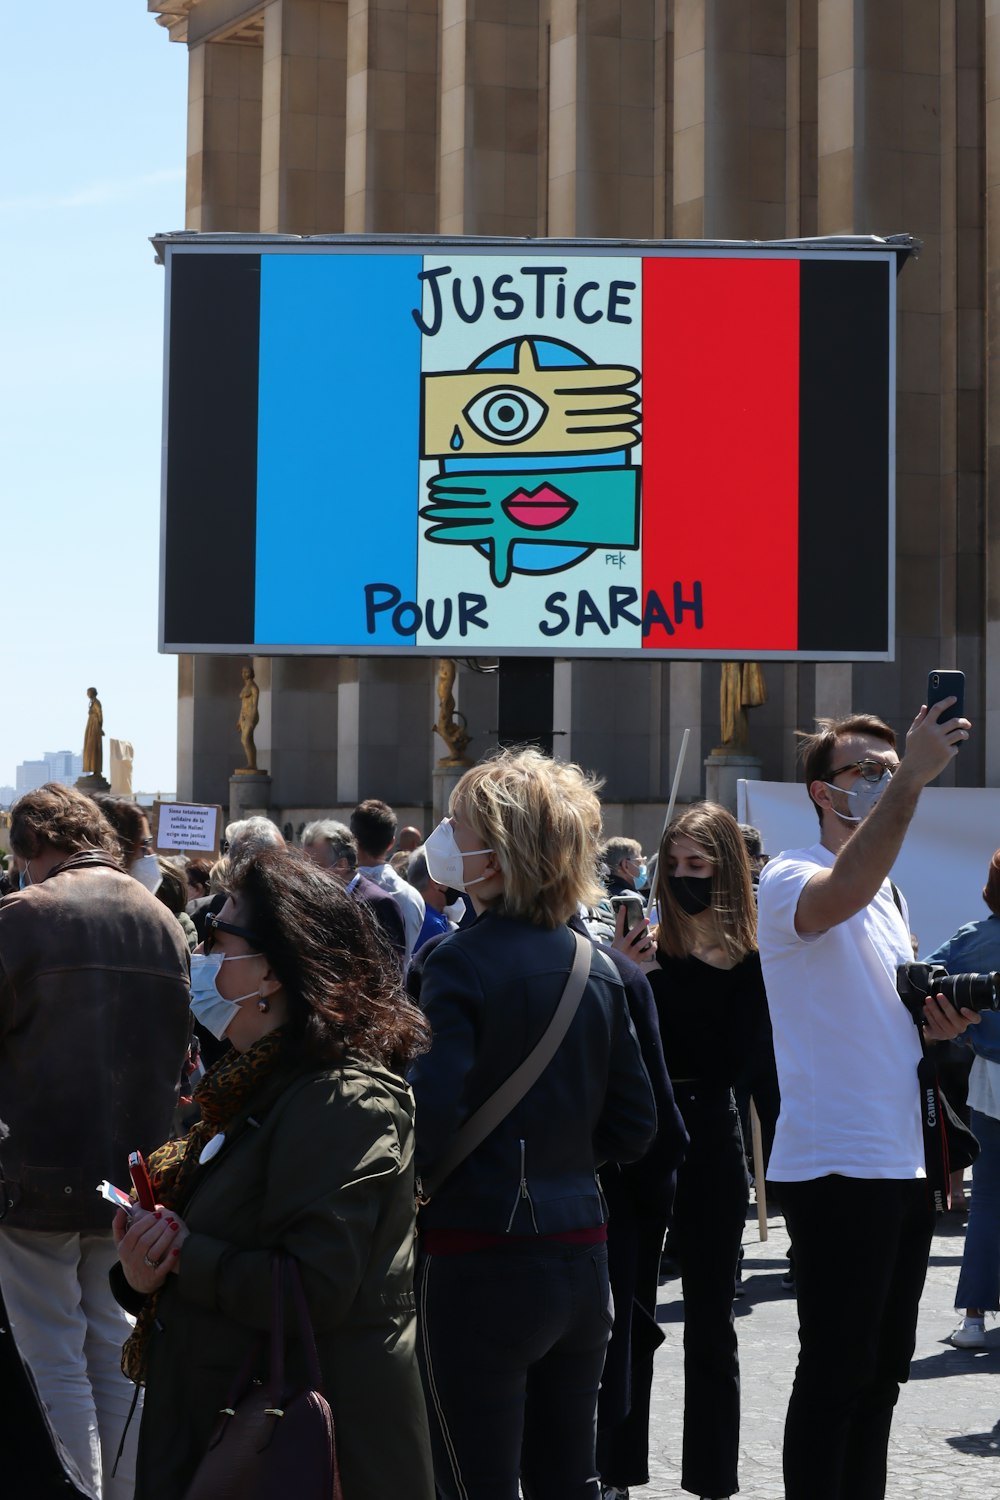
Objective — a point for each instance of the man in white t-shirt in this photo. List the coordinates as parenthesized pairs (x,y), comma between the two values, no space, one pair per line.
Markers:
(373,824)
(848,1147)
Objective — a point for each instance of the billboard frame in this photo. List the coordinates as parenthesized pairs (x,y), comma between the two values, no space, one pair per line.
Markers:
(892,250)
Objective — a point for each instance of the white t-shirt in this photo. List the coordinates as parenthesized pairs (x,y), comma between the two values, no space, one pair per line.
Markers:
(406,896)
(846,1047)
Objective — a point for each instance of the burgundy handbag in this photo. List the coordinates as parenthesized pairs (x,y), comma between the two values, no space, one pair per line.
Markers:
(271,1442)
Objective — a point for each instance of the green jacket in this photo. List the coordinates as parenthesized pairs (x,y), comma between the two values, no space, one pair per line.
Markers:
(325,1171)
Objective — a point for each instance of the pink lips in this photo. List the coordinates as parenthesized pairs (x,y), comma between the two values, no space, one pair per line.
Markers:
(538,508)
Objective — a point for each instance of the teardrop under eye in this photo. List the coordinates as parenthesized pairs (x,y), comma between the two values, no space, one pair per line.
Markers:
(506,414)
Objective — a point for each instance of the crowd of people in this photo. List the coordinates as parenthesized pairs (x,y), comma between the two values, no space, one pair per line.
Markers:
(469,1086)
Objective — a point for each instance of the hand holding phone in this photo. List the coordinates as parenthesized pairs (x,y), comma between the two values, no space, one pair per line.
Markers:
(945,684)
(631,901)
(115,1196)
(140,1181)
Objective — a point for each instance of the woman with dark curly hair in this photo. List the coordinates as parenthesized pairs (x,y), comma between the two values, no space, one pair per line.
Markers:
(305,1145)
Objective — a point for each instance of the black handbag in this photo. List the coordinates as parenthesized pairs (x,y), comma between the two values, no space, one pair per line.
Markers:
(271,1442)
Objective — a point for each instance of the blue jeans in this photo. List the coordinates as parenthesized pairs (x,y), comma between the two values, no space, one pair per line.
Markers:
(979,1280)
(511,1344)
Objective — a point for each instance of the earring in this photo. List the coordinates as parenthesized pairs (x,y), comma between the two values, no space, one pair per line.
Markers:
(263,1007)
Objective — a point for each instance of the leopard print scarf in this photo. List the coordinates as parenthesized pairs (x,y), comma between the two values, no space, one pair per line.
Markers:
(226,1089)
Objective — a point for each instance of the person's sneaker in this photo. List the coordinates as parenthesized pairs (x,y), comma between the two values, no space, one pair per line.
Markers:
(968,1335)
(612,1492)
(788,1281)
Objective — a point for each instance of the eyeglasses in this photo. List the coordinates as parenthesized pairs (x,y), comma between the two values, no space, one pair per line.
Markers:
(871,770)
(213,924)
(145,843)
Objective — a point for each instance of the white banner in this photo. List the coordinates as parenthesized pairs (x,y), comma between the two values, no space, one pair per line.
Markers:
(944,861)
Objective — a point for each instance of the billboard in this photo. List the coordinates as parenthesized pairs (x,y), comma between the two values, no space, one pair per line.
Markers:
(491,448)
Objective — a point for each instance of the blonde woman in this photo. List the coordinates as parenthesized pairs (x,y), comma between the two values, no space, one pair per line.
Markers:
(513,1299)
(706,981)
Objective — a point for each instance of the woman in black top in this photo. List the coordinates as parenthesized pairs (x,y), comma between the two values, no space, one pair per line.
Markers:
(709,994)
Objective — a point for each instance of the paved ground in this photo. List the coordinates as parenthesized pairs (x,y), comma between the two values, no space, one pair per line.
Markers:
(946,1433)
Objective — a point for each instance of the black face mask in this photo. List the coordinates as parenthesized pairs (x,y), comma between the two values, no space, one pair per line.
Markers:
(693,893)
(451,896)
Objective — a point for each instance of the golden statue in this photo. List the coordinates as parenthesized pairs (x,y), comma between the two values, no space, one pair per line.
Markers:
(742,687)
(93,750)
(248,720)
(448,726)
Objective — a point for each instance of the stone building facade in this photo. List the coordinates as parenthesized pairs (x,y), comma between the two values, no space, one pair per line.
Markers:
(628,118)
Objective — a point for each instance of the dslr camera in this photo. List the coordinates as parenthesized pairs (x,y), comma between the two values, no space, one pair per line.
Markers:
(916,982)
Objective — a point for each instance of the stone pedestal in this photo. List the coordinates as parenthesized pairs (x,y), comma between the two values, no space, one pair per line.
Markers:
(723,771)
(249,793)
(445,779)
(91,783)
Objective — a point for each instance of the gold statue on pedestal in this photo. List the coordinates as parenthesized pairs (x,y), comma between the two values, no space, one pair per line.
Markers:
(93,750)
(453,732)
(248,720)
(742,687)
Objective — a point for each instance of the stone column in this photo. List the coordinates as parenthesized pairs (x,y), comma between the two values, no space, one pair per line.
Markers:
(298,735)
(385,736)
(800,116)
(605,177)
(892,111)
(303,119)
(223,145)
(602,119)
(729,118)
(992,69)
(208,740)
(391,145)
(223,193)
(489,128)
(963,327)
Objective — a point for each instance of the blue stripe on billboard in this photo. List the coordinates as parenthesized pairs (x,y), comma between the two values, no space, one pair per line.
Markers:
(338,444)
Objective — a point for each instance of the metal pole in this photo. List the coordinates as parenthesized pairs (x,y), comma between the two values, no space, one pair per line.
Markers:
(760,1191)
(677,781)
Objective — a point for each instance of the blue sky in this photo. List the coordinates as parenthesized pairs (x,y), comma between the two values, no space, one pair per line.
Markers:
(93,116)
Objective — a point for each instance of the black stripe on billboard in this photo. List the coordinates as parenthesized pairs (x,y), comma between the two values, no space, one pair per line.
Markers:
(210,546)
(844,456)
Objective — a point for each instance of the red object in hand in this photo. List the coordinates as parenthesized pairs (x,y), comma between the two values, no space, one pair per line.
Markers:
(140,1181)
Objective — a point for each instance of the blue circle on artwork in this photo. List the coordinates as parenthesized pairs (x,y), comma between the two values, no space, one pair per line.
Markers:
(540,557)
(549,354)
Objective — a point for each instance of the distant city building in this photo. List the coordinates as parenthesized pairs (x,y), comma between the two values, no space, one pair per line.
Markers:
(7,795)
(63,766)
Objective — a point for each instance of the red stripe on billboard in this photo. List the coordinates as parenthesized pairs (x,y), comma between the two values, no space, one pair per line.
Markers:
(720,460)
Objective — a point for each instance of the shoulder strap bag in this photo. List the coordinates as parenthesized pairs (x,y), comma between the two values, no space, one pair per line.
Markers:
(949,1144)
(272,1441)
(498,1106)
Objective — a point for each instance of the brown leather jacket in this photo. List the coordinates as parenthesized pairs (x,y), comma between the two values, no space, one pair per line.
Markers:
(94,1021)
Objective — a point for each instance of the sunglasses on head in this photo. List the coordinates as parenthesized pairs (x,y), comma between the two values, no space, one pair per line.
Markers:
(214,924)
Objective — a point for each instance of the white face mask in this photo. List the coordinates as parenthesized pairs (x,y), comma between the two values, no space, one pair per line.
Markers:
(455,911)
(146,869)
(867,794)
(212,1010)
(446,861)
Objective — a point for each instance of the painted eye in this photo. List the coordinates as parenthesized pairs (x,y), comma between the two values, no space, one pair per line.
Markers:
(506,414)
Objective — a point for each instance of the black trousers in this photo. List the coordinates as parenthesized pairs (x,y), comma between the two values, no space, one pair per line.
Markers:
(709,1214)
(857,1329)
(511,1345)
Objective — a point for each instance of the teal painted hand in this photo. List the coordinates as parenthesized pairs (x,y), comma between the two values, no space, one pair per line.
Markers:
(572,508)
